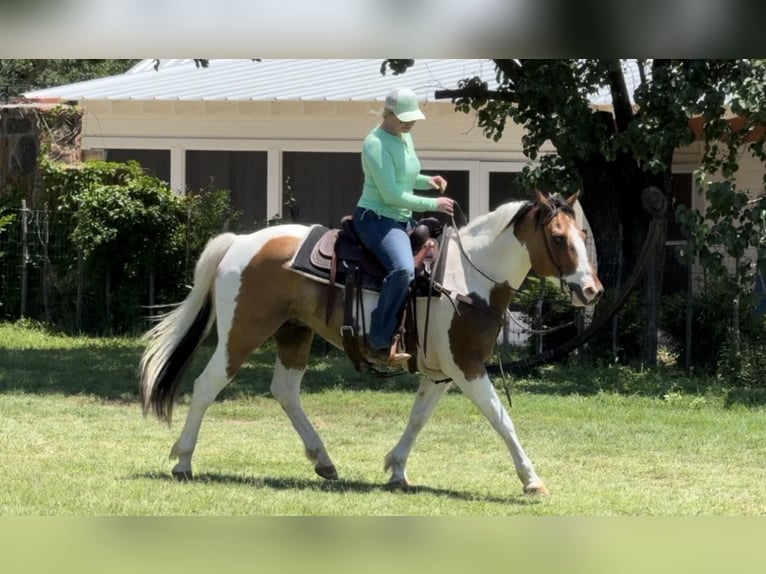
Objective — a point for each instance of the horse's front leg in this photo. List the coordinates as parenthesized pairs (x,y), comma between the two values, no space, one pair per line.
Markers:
(483,394)
(286,388)
(427,397)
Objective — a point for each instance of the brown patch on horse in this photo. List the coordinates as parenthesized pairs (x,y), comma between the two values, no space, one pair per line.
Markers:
(474,328)
(266,293)
(294,345)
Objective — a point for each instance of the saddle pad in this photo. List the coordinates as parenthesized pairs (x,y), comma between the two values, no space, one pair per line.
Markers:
(302,262)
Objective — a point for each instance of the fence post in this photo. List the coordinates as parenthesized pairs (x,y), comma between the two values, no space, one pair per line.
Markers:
(615,317)
(78,302)
(735,323)
(539,318)
(689,310)
(24,257)
(579,328)
(108,299)
(46,266)
(151,293)
(735,308)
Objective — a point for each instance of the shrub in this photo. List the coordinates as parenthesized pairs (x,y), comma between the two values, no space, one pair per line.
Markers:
(557,310)
(127,230)
(711,311)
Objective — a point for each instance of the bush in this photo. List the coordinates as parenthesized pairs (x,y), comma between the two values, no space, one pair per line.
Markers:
(743,365)
(631,330)
(557,310)
(125,231)
(711,310)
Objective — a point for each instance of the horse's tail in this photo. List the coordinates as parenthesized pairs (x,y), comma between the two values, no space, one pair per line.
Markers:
(174,340)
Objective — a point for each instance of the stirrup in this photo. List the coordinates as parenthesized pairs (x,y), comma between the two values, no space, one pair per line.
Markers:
(390,358)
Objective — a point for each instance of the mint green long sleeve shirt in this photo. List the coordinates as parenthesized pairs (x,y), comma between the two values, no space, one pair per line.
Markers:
(391,172)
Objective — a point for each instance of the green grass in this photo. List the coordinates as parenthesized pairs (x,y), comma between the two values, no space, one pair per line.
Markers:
(607,441)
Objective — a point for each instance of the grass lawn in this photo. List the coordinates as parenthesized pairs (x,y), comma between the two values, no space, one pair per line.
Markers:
(607,441)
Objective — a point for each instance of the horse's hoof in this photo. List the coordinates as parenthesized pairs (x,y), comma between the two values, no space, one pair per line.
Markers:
(536,490)
(182,475)
(327,472)
(398,484)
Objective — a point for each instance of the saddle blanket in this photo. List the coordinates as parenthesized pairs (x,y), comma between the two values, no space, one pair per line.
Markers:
(318,267)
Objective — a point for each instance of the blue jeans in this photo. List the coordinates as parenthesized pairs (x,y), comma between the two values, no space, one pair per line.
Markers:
(388,240)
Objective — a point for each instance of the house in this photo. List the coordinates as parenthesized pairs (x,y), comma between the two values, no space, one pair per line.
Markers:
(284,135)
(287,131)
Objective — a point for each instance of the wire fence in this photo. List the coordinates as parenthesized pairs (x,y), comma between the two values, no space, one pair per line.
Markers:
(45,277)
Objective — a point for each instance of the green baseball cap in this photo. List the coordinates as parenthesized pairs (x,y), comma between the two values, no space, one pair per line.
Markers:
(404,103)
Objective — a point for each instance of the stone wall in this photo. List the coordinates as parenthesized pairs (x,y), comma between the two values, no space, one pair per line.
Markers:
(25,130)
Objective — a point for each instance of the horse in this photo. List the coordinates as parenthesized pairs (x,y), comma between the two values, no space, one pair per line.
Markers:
(245,286)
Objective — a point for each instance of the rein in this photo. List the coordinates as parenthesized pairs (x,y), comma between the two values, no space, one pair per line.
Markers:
(465,255)
(542,223)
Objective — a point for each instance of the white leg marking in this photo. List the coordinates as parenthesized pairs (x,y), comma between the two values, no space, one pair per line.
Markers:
(286,388)
(483,394)
(428,396)
(206,388)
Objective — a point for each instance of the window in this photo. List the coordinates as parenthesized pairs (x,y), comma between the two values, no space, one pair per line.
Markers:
(324,185)
(243,173)
(155,162)
(504,187)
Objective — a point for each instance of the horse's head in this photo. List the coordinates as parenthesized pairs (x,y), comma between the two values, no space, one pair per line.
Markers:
(556,246)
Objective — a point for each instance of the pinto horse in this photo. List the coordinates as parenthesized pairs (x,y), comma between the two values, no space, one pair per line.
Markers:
(244,285)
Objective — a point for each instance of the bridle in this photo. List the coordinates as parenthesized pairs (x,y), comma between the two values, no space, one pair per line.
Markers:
(542,224)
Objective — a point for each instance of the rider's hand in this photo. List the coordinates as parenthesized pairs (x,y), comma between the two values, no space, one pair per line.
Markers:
(438,182)
(445,205)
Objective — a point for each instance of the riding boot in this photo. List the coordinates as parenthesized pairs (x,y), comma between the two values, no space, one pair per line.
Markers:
(389,357)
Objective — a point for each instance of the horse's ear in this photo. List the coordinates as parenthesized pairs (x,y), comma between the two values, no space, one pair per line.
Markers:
(572,198)
(542,199)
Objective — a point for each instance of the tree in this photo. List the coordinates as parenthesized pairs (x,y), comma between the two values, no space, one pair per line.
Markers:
(612,155)
(19,76)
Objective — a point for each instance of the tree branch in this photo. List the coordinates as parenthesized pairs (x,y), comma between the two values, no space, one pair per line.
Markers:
(623,110)
(477,92)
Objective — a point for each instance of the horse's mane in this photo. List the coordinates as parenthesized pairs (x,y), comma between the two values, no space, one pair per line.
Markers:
(492,224)
(558,204)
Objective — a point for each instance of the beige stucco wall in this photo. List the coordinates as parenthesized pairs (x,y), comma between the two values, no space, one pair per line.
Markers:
(750,174)
(276,126)
(445,140)
(337,126)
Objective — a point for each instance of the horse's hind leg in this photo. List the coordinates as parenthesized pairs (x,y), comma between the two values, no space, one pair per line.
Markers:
(238,337)
(206,388)
(428,396)
(293,350)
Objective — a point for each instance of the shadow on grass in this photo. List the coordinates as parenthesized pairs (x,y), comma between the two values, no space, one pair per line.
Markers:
(589,380)
(109,370)
(341,486)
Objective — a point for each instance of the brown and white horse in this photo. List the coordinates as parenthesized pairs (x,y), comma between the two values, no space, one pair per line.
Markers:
(243,285)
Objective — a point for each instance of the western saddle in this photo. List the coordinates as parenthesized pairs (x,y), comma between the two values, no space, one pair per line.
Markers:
(338,256)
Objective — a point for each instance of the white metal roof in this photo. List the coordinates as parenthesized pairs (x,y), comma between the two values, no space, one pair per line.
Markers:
(280,79)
